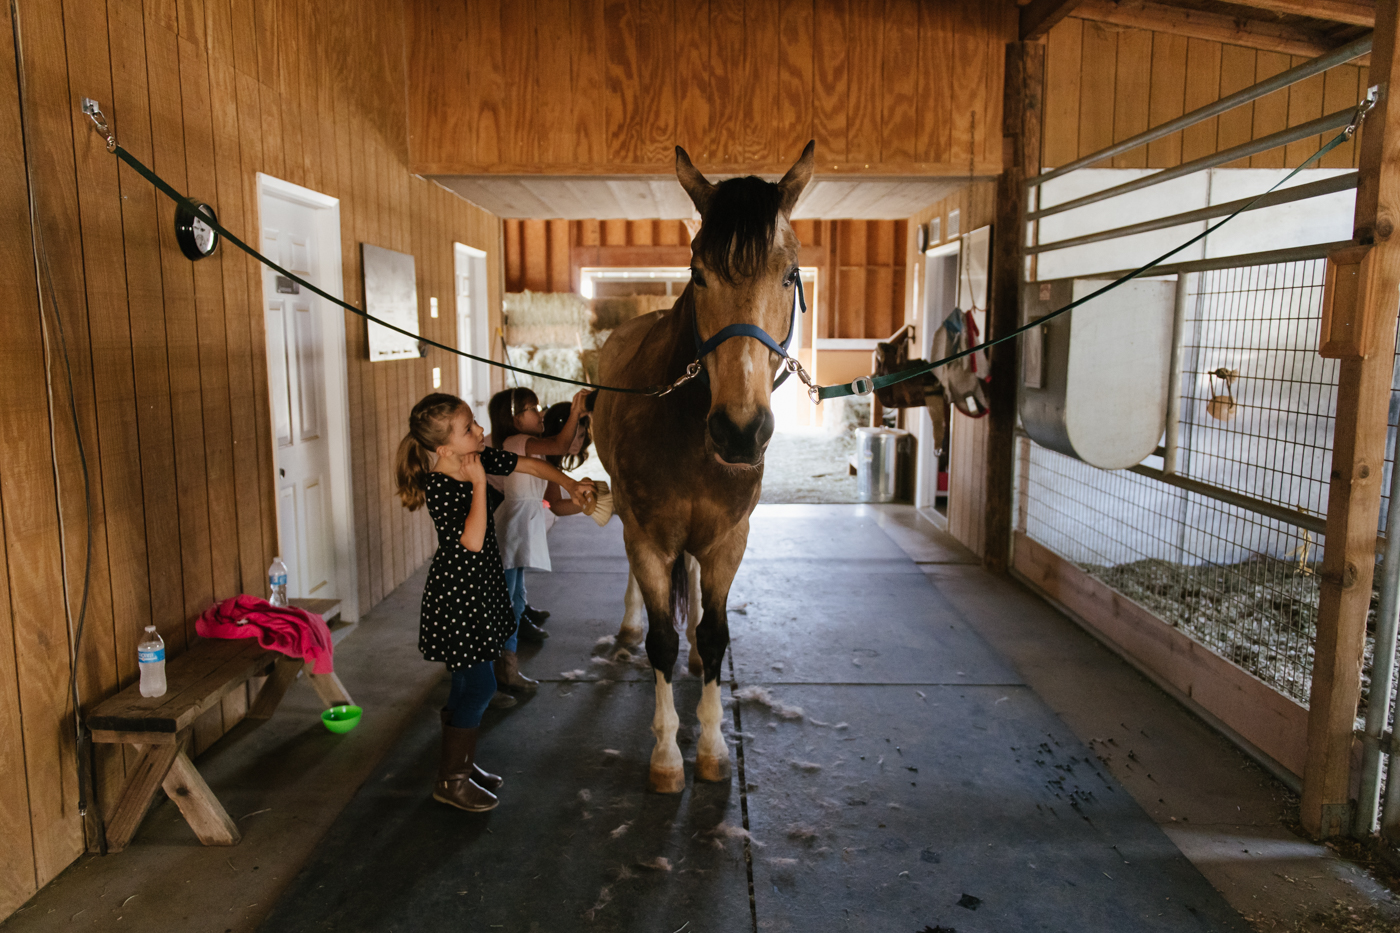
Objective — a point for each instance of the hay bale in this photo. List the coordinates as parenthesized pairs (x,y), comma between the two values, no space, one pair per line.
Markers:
(547,319)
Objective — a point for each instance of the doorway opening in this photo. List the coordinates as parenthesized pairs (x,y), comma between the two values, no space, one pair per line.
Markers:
(308,394)
(473,326)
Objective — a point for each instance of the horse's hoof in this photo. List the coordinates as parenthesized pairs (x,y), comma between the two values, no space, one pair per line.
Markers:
(697,667)
(666,780)
(629,638)
(711,769)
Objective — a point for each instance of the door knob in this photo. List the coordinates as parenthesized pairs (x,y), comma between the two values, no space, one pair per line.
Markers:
(282,473)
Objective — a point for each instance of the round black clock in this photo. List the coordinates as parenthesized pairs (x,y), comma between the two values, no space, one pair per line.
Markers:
(196,237)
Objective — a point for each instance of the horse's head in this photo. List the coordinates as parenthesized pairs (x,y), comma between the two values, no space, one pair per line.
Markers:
(743,271)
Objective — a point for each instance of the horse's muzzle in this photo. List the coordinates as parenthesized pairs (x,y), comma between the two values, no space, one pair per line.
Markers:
(741,444)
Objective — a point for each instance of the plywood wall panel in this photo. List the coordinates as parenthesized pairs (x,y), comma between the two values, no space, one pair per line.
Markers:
(734,81)
(1099,86)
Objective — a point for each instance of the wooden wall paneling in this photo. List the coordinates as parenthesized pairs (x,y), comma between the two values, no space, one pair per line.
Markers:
(1271,111)
(251,148)
(1000,25)
(123,570)
(934,91)
(1063,64)
(444,59)
(899,130)
(217,417)
(1202,87)
(1132,94)
(865,45)
(25,461)
(535,247)
(691,57)
(831,81)
(130,119)
(656,26)
(182,336)
(265,37)
(760,80)
(1304,104)
(553,75)
(624,119)
(288,55)
(588,70)
(519,52)
(725,132)
(1098,70)
(369,409)
(487,73)
(559,256)
(1236,73)
(310,117)
(227,198)
(793,121)
(17,877)
(389,381)
(245,42)
(1168,96)
(969,127)
(1340,89)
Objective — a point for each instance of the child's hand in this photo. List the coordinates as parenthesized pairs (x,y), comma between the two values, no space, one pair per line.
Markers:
(471,469)
(585,492)
(580,403)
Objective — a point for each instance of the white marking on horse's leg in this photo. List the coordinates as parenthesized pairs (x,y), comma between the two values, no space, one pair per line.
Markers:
(667,768)
(712,753)
(633,613)
(695,614)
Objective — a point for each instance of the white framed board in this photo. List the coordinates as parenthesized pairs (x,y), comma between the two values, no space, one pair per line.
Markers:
(391,294)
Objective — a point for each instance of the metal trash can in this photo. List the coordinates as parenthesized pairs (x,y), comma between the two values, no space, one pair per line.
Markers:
(877,463)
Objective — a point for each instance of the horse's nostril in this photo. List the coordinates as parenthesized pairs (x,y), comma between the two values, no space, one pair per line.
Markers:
(741,444)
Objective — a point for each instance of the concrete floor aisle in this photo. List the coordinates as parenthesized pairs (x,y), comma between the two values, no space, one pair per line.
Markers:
(893,773)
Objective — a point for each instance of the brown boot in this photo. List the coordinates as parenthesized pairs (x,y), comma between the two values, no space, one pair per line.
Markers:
(483,779)
(455,786)
(508,675)
(501,700)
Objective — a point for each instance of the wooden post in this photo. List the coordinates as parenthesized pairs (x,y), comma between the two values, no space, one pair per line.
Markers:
(1358,459)
(1023,96)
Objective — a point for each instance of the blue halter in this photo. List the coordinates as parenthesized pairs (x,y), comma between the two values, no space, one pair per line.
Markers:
(752,330)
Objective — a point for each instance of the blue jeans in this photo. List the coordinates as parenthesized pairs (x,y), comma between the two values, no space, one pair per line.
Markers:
(472,689)
(515,584)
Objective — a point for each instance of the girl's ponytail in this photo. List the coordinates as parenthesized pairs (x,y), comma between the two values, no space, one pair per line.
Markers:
(410,466)
(429,426)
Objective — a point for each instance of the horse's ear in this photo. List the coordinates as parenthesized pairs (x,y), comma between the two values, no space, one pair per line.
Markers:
(797,177)
(692,181)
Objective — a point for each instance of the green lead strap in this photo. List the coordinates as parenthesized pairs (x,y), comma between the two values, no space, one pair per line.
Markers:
(871,384)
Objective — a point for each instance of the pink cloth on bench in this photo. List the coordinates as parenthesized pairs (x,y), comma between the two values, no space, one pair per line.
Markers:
(285,629)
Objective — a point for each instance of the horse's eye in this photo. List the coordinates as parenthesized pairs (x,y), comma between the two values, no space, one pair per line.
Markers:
(790,279)
(697,277)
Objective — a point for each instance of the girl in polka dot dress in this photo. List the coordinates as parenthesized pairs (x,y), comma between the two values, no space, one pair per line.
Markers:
(466,614)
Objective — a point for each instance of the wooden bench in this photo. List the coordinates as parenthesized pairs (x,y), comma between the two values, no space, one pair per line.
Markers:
(160,728)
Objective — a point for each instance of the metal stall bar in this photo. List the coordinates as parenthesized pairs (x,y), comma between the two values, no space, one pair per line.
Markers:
(1313,189)
(1174,377)
(1281,80)
(1312,128)
(1382,665)
(1267,257)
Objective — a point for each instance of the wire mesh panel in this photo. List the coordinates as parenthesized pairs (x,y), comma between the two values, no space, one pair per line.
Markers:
(1258,406)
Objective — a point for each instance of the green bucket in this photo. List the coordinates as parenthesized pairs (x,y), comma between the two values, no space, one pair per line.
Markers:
(341,719)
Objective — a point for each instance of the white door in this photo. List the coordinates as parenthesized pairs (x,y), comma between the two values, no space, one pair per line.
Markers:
(939,299)
(297,383)
(473,327)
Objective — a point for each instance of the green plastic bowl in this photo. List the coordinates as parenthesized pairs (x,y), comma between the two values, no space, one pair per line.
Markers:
(341,719)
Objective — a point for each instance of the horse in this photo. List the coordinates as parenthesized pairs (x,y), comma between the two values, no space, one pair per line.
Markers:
(687,466)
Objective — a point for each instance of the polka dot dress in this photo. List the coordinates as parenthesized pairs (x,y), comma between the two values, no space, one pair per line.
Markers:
(466,615)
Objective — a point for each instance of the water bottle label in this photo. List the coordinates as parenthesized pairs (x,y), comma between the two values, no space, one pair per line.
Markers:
(150,656)
(279,579)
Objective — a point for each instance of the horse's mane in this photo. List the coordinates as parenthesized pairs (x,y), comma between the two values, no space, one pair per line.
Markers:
(737,228)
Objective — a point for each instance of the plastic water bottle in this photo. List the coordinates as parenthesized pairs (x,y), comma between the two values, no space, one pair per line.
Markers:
(277,582)
(150,654)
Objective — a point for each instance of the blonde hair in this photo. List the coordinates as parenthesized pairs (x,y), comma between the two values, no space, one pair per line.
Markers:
(429,426)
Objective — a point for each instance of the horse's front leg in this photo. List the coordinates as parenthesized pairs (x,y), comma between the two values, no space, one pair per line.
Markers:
(694,612)
(652,571)
(717,568)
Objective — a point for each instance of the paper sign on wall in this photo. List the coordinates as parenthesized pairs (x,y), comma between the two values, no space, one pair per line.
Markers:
(391,294)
